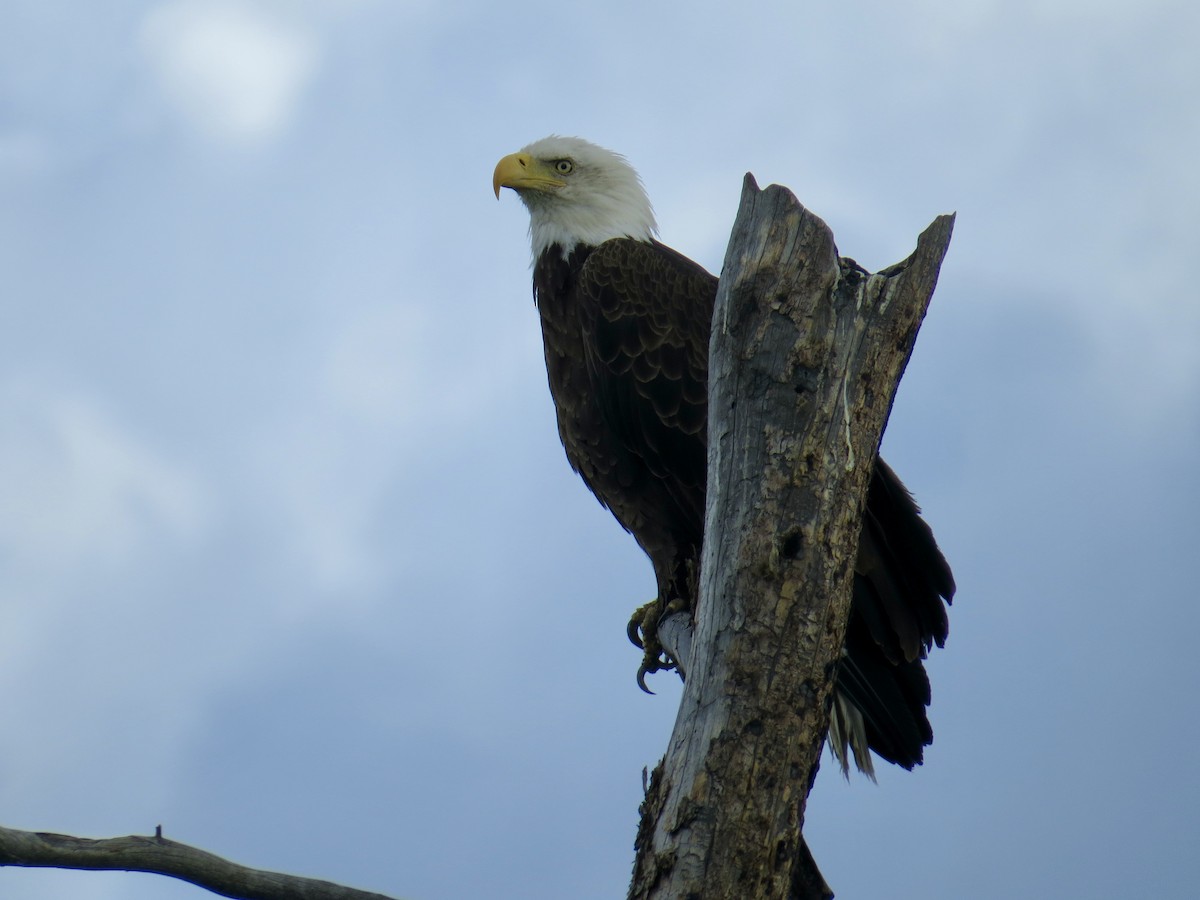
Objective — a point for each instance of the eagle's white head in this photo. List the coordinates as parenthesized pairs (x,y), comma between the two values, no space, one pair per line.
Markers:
(576,193)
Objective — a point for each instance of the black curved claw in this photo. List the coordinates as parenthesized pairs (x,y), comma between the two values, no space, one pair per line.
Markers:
(632,630)
(641,679)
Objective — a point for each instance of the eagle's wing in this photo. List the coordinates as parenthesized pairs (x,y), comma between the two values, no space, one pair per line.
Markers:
(645,312)
(900,582)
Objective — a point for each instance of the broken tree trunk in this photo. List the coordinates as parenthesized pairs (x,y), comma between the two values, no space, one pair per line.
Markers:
(807,351)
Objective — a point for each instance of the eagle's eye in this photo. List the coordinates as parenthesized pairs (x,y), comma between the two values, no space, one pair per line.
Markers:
(564,167)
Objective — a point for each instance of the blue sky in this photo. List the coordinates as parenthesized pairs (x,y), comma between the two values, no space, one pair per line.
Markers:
(291,561)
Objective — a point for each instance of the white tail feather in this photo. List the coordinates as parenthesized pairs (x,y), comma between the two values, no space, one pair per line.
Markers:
(848,734)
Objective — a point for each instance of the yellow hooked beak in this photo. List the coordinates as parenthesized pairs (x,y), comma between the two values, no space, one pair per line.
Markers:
(520,171)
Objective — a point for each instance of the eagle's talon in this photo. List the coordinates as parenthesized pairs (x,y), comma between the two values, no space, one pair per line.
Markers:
(650,664)
(632,629)
(643,632)
(643,626)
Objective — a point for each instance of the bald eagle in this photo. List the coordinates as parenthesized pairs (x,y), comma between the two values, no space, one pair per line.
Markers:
(625,325)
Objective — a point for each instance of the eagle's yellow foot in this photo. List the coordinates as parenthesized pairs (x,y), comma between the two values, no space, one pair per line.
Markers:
(643,632)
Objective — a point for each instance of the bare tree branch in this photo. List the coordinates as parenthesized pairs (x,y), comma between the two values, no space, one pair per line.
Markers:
(160,856)
(807,351)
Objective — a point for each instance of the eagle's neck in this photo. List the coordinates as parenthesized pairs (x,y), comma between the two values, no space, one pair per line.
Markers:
(557,221)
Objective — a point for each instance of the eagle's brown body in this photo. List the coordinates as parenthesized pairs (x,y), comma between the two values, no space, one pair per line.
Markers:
(626,331)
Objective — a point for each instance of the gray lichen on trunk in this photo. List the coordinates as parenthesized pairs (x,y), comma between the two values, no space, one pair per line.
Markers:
(806,353)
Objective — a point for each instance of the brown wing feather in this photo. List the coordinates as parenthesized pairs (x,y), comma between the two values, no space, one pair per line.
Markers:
(645,314)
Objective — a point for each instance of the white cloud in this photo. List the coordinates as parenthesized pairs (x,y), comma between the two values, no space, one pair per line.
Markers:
(87,508)
(77,487)
(235,74)
(371,397)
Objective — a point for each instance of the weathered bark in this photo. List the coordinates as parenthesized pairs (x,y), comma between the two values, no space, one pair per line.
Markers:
(807,351)
(160,856)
